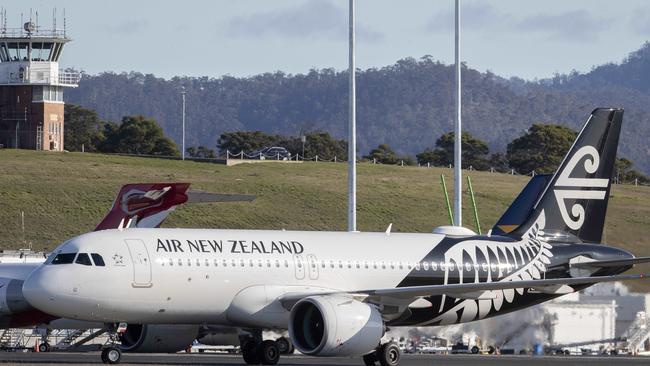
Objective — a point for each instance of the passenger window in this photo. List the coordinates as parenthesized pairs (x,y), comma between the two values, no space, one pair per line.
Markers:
(434,266)
(64,258)
(83,259)
(99,261)
(425,265)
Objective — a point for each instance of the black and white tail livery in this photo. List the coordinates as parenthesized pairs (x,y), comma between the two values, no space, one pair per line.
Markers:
(575,199)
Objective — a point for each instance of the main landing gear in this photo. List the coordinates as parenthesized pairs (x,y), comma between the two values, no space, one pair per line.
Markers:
(387,354)
(256,351)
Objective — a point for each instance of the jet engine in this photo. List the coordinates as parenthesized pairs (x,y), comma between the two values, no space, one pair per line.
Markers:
(154,338)
(335,325)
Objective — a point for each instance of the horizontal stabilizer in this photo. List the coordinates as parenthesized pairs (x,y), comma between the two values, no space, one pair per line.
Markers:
(612,263)
(196,196)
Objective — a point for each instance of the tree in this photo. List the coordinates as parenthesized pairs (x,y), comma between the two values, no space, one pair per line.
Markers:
(474,152)
(323,145)
(201,152)
(82,127)
(138,135)
(540,149)
(624,172)
(499,162)
(246,141)
(383,154)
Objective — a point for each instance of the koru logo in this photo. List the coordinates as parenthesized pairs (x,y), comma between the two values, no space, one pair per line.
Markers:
(592,161)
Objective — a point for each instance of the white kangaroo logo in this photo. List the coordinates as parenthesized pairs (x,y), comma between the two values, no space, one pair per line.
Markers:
(591,164)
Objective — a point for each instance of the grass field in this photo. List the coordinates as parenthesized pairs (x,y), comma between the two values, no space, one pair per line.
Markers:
(66,194)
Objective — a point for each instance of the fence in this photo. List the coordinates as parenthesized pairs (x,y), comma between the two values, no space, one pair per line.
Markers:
(242,155)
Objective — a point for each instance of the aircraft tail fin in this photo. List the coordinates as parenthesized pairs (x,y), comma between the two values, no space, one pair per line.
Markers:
(574,201)
(522,206)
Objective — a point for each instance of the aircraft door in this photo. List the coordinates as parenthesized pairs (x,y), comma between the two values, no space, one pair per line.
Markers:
(140,261)
(299,265)
(313,267)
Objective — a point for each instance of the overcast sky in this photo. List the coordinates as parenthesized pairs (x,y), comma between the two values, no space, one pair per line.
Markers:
(529,39)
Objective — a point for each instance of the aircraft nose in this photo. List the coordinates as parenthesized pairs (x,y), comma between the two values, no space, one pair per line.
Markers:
(38,290)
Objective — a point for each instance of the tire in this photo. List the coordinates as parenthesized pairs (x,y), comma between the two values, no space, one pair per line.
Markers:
(269,354)
(111,355)
(389,354)
(249,352)
(370,359)
(44,347)
(475,350)
(283,345)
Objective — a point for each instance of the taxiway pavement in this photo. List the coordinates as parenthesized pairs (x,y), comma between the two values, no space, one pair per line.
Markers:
(27,358)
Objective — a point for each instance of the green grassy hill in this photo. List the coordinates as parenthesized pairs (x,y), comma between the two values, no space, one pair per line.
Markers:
(67,194)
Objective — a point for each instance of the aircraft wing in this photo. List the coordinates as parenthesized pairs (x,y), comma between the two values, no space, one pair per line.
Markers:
(462,290)
(468,288)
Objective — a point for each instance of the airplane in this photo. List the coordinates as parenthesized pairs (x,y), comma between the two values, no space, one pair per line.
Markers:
(338,292)
(136,205)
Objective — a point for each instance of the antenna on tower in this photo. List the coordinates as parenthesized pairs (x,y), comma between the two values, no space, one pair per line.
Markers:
(37,19)
(54,19)
(64,23)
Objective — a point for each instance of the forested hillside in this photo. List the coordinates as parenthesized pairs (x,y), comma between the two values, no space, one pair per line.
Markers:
(407,105)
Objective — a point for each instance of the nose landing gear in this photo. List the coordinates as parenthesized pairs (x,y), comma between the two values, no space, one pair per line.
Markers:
(111,353)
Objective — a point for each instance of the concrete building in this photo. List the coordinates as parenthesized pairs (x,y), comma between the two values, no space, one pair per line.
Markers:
(31,86)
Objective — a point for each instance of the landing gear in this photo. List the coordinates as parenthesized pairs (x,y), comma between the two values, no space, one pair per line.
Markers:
(257,352)
(285,346)
(387,354)
(111,355)
(249,351)
(44,347)
(269,353)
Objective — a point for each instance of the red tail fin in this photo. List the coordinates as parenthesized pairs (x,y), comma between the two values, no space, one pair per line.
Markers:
(144,205)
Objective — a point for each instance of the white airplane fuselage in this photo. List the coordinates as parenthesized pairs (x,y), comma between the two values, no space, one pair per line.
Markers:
(192,276)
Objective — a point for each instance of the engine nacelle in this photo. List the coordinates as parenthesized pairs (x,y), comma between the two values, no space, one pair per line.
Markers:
(335,325)
(154,338)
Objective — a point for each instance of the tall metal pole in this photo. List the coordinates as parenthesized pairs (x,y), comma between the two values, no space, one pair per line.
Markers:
(458,180)
(352,134)
(183,92)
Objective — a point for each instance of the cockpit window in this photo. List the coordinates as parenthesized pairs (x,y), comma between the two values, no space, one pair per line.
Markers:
(84,259)
(99,261)
(64,258)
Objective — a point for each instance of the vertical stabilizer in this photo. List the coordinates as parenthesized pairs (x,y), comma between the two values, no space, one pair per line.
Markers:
(575,200)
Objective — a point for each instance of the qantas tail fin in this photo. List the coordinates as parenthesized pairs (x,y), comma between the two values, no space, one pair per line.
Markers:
(147,205)
(574,201)
(144,205)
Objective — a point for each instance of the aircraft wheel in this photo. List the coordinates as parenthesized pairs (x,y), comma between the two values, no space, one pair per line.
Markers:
(370,359)
(269,353)
(283,345)
(389,354)
(249,351)
(44,347)
(111,355)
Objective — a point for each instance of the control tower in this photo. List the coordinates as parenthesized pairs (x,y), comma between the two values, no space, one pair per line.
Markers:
(31,86)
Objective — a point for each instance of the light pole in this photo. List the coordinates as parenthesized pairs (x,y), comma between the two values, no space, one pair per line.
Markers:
(303,138)
(183,92)
(458,182)
(352,134)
